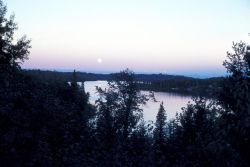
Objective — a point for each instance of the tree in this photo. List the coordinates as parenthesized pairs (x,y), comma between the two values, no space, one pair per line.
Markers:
(238,62)
(235,99)
(160,125)
(129,99)
(118,115)
(106,126)
(74,84)
(11,54)
(160,136)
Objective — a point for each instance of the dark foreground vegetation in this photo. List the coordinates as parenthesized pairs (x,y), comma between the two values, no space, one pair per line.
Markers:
(53,124)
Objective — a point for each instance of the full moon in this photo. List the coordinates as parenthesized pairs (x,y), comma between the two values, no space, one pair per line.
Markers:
(99,60)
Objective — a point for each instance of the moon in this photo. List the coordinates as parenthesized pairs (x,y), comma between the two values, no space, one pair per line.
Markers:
(99,60)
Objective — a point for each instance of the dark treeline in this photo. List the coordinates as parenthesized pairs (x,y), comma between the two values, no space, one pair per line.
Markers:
(190,86)
(53,124)
(48,76)
(152,82)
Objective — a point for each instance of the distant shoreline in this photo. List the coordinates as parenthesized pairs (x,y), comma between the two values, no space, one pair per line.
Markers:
(152,82)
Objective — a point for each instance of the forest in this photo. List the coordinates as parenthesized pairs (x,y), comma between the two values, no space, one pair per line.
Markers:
(50,122)
(152,82)
(83,76)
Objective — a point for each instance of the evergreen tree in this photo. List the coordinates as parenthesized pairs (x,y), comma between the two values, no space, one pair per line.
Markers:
(160,125)
(160,136)
(74,84)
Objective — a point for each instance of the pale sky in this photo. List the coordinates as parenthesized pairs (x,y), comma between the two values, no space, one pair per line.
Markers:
(187,37)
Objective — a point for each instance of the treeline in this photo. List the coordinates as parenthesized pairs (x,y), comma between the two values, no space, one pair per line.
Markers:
(190,86)
(153,82)
(48,76)
(83,76)
(53,124)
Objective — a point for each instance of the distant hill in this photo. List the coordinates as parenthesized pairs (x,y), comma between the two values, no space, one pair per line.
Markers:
(83,76)
(155,82)
(65,76)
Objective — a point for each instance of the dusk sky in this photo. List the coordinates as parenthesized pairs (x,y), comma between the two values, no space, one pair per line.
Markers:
(188,37)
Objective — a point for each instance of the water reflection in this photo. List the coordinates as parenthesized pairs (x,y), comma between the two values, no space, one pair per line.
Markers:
(172,102)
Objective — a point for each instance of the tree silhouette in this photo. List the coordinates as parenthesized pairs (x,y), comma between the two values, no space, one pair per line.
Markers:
(118,115)
(235,98)
(237,63)
(11,54)
(129,99)
(160,136)
(160,125)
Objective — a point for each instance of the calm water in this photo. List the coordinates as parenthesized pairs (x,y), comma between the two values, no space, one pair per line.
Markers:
(172,102)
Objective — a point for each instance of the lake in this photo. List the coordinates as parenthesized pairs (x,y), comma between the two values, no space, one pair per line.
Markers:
(172,102)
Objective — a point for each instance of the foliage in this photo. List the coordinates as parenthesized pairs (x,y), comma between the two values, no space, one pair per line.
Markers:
(160,136)
(235,98)
(160,125)
(49,122)
(11,54)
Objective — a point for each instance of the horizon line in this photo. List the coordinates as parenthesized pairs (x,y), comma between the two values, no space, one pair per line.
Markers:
(188,74)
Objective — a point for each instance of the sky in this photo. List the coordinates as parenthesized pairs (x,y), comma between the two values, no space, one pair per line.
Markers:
(186,37)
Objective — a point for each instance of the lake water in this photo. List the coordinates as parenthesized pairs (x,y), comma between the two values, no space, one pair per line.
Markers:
(172,102)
